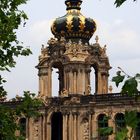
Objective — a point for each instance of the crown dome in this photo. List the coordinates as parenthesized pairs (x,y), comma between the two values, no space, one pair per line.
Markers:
(73,25)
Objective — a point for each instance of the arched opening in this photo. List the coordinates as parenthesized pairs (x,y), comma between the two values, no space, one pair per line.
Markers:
(102,125)
(55,82)
(57,78)
(57,126)
(92,80)
(137,131)
(119,122)
(22,124)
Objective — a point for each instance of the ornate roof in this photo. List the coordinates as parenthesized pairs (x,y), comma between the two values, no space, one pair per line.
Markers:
(73,25)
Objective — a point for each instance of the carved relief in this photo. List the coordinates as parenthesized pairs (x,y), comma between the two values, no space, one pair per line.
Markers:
(52,42)
(85,133)
(76,51)
(36,129)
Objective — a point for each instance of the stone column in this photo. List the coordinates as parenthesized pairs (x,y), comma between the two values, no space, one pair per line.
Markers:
(99,88)
(94,127)
(43,78)
(91,125)
(70,127)
(111,124)
(75,126)
(74,82)
(65,126)
(48,128)
(49,82)
(44,127)
(104,82)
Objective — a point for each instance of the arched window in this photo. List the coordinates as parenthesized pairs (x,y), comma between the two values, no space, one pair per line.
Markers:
(102,123)
(119,121)
(22,123)
(55,82)
(92,80)
(57,78)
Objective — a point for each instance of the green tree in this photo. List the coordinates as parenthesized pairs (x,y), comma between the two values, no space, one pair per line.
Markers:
(130,88)
(11,17)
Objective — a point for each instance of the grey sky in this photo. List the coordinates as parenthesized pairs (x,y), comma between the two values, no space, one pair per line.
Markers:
(118,28)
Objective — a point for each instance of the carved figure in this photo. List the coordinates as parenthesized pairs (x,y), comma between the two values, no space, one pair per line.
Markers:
(64,93)
(52,41)
(85,130)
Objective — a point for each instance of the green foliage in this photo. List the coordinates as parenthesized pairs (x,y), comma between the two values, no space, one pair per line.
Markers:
(118,3)
(105,131)
(28,107)
(131,119)
(7,123)
(122,134)
(11,17)
(130,86)
(118,79)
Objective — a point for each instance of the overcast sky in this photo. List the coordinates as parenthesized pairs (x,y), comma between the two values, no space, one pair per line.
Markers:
(118,28)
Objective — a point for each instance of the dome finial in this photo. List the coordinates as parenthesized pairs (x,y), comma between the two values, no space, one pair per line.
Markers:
(73,4)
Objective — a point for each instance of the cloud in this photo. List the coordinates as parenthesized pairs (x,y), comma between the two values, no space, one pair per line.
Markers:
(40,31)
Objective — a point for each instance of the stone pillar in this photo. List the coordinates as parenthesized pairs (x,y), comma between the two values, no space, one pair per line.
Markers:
(91,125)
(87,81)
(104,82)
(111,124)
(44,127)
(75,129)
(49,82)
(70,127)
(99,88)
(30,128)
(74,82)
(48,128)
(65,126)
(94,127)
(43,78)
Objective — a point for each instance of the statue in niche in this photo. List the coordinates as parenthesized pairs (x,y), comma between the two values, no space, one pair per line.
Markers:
(85,130)
(88,89)
(64,93)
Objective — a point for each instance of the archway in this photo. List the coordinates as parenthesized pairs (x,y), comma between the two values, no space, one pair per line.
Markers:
(92,80)
(119,121)
(102,123)
(55,82)
(57,78)
(22,123)
(57,126)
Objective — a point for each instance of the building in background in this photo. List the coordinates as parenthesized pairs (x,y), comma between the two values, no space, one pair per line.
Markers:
(76,114)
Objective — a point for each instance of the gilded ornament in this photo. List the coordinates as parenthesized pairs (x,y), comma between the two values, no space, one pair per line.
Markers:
(82,23)
(69,23)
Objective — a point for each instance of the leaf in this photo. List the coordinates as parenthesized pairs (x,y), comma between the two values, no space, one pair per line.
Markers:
(118,79)
(130,87)
(121,135)
(106,131)
(131,119)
